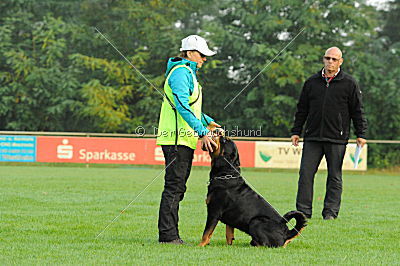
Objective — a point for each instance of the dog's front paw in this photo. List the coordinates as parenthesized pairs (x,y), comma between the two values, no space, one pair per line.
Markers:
(230,241)
(203,244)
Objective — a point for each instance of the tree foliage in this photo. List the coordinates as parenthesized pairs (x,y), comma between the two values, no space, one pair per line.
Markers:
(59,73)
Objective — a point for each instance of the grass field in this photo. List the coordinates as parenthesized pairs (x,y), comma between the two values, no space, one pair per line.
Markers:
(51,215)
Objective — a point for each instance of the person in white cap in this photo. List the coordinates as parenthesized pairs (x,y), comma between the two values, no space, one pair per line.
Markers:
(180,126)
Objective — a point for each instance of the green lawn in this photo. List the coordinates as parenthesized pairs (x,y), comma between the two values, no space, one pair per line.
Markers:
(52,215)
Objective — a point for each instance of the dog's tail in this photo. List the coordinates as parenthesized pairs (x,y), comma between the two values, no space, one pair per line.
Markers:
(301,222)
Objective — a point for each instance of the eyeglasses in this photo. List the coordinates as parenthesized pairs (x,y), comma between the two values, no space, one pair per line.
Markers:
(327,58)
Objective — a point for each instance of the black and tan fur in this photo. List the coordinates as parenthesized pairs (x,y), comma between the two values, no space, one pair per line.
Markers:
(234,203)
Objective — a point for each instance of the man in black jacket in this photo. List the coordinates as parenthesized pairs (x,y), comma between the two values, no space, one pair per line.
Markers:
(328,101)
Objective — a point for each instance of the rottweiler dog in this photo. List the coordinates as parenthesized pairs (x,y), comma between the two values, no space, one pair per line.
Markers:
(231,201)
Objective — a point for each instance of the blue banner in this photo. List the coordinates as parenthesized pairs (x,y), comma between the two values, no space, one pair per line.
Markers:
(17,149)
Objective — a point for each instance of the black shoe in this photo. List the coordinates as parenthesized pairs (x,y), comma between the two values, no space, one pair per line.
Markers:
(329,217)
(177,241)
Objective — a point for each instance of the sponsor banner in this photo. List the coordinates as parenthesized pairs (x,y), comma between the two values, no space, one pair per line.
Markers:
(202,158)
(121,151)
(92,150)
(285,155)
(348,162)
(17,149)
(246,151)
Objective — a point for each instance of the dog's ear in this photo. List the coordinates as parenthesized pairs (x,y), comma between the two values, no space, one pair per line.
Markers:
(235,155)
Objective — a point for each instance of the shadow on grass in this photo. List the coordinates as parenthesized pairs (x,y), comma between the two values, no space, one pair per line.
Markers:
(218,244)
(143,241)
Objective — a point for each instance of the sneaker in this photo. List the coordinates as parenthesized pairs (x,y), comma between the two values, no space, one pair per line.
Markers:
(329,217)
(177,241)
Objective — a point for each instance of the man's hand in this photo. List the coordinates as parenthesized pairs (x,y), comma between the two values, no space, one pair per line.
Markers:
(207,143)
(361,142)
(212,126)
(295,140)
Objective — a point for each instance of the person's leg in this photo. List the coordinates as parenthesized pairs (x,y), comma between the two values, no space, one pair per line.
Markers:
(310,160)
(185,167)
(334,154)
(176,174)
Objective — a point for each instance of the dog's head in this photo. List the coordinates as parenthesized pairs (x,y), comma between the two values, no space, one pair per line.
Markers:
(226,153)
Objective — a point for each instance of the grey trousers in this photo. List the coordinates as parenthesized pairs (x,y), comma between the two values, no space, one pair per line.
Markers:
(313,151)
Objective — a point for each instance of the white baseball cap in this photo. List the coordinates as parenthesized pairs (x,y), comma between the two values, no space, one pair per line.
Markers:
(195,42)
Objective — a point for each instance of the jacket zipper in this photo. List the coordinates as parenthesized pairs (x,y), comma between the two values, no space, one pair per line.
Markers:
(341,124)
(323,109)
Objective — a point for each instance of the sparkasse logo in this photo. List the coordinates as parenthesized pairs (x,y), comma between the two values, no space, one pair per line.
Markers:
(65,151)
(158,154)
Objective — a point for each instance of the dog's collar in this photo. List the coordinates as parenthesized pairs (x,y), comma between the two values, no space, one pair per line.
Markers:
(224,177)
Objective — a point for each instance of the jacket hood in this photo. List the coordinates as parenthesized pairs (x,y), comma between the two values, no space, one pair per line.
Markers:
(176,61)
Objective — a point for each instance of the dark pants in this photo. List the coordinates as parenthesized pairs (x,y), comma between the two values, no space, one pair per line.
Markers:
(313,152)
(176,175)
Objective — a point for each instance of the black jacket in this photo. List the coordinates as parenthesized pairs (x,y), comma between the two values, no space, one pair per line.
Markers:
(328,109)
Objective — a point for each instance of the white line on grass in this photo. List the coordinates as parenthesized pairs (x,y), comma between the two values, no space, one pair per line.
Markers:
(152,181)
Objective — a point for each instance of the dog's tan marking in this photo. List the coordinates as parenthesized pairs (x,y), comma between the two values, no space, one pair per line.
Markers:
(208,199)
(290,240)
(230,234)
(205,240)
